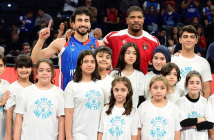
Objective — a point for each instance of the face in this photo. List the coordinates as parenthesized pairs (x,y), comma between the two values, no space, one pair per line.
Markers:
(44,73)
(188,40)
(169,7)
(195,21)
(97,34)
(24,72)
(171,42)
(120,92)
(151,9)
(194,85)
(66,24)
(158,90)
(82,24)
(88,65)
(88,2)
(199,31)
(135,21)
(112,10)
(130,56)
(2,67)
(175,30)
(162,33)
(209,3)
(26,49)
(40,13)
(158,61)
(15,28)
(103,60)
(15,37)
(30,15)
(172,77)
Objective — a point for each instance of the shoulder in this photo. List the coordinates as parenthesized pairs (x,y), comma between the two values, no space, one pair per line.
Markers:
(150,37)
(144,105)
(5,82)
(92,39)
(58,44)
(203,60)
(57,89)
(203,99)
(150,74)
(113,73)
(139,73)
(181,101)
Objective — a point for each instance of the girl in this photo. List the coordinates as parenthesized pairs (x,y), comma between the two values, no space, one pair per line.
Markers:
(175,34)
(24,67)
(172,45)
(201,38)
(119,119)
(129,65)
(84,100)
(160,57)
(4,95)
(172,73)
(196,112)
(159,118)
(40,108)
(151,19)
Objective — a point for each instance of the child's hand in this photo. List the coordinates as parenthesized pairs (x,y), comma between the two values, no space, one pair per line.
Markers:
(5,97)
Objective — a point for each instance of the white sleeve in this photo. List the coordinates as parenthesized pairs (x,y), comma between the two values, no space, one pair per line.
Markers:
(177,119)
(61,109)
(209,112)
(68,96)
(113,73)
(141,86)
(158,8)
(102,120)
(10,101)
(140,125)
(203,9)
(206,74)
(182,113)
(145,4)
(20,103)
(135,122)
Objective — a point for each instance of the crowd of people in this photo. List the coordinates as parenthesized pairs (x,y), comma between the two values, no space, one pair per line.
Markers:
(173,101)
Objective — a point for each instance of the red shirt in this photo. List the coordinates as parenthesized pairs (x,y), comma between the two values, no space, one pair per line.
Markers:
(146,44)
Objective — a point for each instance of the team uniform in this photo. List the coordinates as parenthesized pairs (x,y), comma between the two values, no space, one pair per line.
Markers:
(188,109)
(68,58)
(87,100)
(40,109)
(147,79)
(176,95)
(136,79)
(158,123)
(196,63)
(116,126)
(146,44)
(3,88)
(106,86)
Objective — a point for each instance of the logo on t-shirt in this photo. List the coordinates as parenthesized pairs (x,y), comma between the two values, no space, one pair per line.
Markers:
(194,114)
(93,99)
(116,126)
(72,47)
(43,107)
(185,70)
(145,45)
(1,107)
(158,127)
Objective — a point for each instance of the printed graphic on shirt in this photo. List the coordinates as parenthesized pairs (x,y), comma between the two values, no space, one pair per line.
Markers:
(93,99)
(1,107)
(194,114)
(116,126)
(185,70)
(43,107)
(158,127)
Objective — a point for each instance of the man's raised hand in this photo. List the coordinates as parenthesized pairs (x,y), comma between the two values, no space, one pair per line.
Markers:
(45,33)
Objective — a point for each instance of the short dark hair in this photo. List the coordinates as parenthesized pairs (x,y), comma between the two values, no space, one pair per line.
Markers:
(168,67)
(3,58)
(134,9)
(13,33)
(161,29)
(25,44)
(104,49)
(40,8)
(55,32)
(189,29)
(170,4)
(28,12)
(80,11)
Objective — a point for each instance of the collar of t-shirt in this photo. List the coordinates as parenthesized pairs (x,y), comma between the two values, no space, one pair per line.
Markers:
(192,100)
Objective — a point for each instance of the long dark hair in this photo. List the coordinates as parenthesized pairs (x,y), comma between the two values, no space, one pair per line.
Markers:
(177,33)
(50,63)
(121,61)
(24,61)
(154,13)
(78,73)
(128,104)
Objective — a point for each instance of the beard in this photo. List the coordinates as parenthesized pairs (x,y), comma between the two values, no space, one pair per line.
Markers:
(83,33)
(134,29)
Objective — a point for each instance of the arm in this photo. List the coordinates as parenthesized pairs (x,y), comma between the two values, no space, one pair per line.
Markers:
(9,123)
(106,21)
(139,134)
(4,98)
(207,89)
(100,135)
(185,6)
(61,128)
(134,137)
(144,7)
(177,135)
(61,30)
(204,125)
(18,126)
(118,20)
(191,121)
(203,40)
(196,3)
(68,122)
(211,133)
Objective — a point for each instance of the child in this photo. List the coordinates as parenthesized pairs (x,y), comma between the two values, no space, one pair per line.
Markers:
(104,56)
(84,100)
(160,57)
(211,131)
(159,118)
(4,95)
(119,119)
(172,74)
(129,65)
(40,108)
(24,67)
(196,112)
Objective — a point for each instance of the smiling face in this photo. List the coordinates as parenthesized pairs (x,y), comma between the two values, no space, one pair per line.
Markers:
(103,60)
(158,61)
(24,72)
(158,90)
(82,24)
(120,92)
(44,73)
(2,67)
(135,21)
(172,77)
(188,41)
(88,65)
(130,56)
(194,85)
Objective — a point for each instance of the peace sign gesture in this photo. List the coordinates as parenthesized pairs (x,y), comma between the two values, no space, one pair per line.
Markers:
(45,33)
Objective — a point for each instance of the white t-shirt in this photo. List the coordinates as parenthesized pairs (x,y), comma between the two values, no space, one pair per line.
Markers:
(40,109)
(196,63)
(106,86)
(87,100)
(136,79)
(68,7)
(3,88)
(117,126)
(158,123)
(202,108)
(176,95)
(147,78)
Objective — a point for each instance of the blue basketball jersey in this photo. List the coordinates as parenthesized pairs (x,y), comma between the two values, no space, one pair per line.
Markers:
(69,55)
